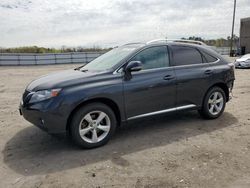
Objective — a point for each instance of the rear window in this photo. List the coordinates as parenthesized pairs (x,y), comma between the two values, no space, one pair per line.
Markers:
(185,55)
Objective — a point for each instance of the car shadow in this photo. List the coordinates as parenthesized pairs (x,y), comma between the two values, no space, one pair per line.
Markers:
(32,151)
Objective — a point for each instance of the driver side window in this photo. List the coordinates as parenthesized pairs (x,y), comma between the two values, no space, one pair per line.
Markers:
(152,58)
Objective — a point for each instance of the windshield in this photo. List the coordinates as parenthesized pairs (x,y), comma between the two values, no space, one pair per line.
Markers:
(109,60)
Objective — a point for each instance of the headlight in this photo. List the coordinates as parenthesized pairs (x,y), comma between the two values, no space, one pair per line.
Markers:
(43,95)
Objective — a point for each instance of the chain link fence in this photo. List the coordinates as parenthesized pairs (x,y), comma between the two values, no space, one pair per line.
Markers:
(46,59)
(62,58)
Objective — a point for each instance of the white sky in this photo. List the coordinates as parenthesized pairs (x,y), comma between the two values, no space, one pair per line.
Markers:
(53,23)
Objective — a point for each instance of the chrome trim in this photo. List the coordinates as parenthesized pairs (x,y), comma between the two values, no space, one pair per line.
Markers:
(214,61)
(190,65)
(171,66)
(163,111)
(185,107)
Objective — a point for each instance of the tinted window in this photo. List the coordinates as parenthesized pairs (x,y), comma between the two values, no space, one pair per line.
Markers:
(183,55)
(154,57)
(209,58)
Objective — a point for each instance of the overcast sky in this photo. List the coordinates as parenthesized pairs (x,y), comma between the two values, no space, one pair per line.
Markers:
(53,23)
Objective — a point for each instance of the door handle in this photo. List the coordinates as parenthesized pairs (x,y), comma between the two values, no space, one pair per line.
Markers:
(168,77)
(208,72)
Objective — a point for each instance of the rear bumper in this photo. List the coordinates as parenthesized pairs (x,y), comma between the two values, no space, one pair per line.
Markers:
(230,86)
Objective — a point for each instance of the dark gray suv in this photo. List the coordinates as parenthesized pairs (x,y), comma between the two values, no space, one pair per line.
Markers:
(129,82)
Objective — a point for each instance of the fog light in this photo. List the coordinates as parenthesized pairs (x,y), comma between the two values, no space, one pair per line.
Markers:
(41,121)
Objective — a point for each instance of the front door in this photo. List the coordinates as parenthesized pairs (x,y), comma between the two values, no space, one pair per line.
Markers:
(151,90)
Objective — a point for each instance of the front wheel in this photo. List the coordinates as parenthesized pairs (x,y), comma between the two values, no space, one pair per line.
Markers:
(214,103)
(93,125)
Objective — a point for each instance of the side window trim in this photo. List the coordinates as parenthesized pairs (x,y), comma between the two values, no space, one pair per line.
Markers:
(204,60)
(153,70)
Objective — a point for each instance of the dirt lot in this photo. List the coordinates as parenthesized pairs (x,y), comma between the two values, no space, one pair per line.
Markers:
(179,150)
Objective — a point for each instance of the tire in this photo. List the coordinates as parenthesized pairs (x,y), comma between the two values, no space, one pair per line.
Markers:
(210,99)
(93,125)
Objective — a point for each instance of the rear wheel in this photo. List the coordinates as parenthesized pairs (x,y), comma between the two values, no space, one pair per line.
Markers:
(214,103)
(93,125)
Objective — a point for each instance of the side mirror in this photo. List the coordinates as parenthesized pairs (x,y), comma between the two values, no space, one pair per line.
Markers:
(134,66)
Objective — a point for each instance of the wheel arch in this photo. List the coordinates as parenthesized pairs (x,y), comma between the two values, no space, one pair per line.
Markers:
(221,85)
(110,103)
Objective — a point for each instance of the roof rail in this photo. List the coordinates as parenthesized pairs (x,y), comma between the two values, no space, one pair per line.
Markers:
(177,40)
(132,43)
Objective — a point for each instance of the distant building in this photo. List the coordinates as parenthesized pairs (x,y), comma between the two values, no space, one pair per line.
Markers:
(245,35)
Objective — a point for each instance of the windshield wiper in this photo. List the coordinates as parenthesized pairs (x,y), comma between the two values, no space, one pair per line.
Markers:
(83,70)
(79,68)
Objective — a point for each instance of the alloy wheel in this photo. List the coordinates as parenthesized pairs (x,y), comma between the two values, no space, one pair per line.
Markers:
(94,126)
(215,103)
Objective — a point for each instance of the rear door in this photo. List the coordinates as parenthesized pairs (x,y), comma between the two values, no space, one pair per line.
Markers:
(192,73)
(153,88)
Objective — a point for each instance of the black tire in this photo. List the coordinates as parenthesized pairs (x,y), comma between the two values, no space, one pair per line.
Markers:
(204,111)
(80,114)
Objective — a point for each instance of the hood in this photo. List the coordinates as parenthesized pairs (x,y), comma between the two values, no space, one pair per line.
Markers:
(62,79)
(243,58)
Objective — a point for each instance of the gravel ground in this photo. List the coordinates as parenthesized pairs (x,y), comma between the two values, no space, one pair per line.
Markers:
(180,150)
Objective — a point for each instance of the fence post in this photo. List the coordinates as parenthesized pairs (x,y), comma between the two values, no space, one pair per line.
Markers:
(55,59)
(18,58)
(35,59)
(86,58)
(71,56)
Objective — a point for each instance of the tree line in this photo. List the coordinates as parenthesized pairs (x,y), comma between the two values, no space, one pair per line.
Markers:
(63,49)
(221,42)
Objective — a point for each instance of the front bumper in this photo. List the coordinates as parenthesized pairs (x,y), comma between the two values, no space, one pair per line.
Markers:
(35,117)
(51,121)
(242,65)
